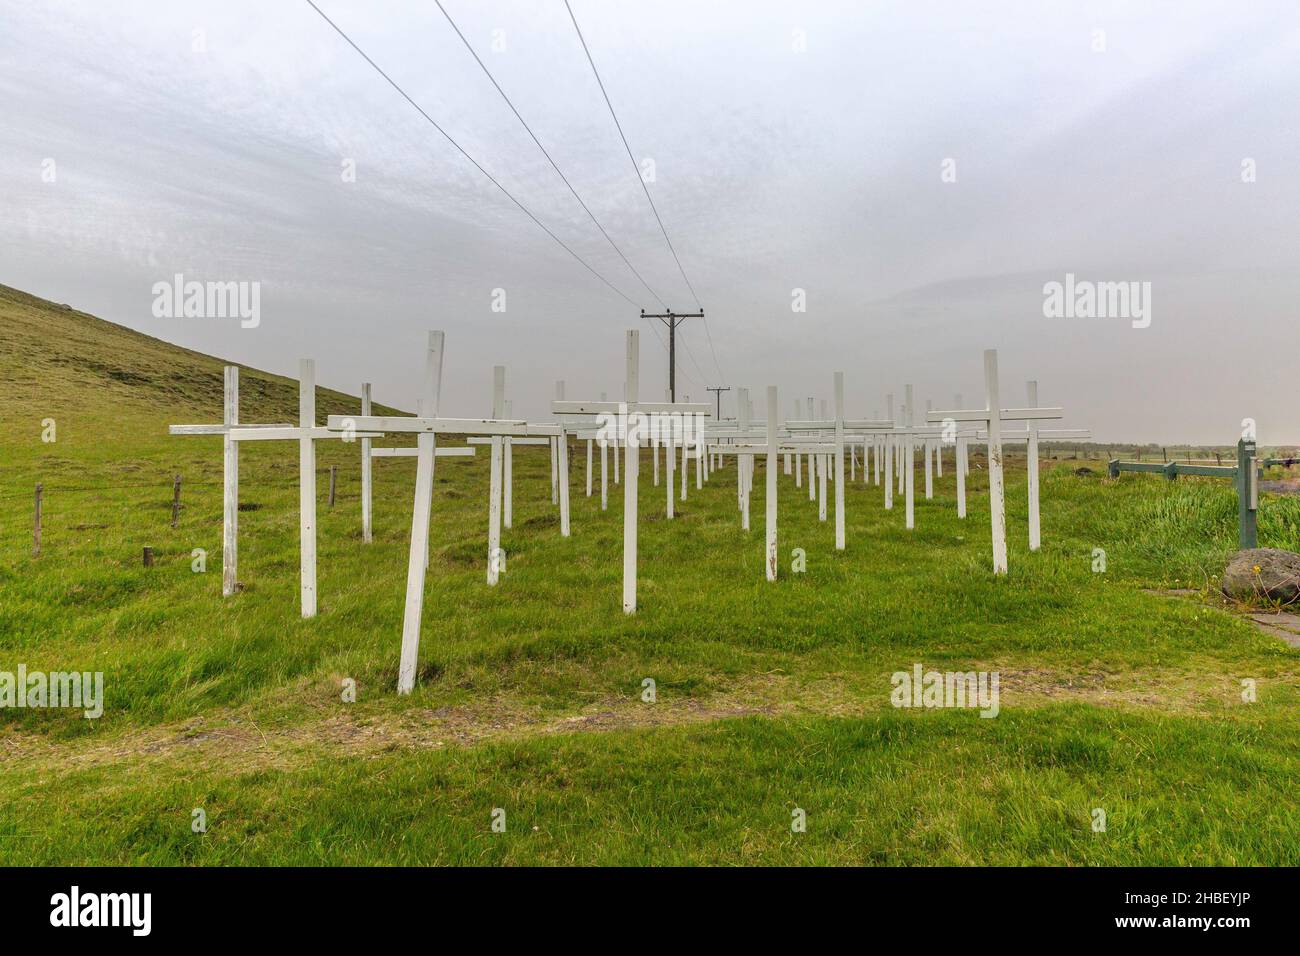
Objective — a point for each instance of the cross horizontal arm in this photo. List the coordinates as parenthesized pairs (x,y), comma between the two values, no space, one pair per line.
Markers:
(449,426)
(484,440)
(1006,414)
(1024,414)
(960,415)
(858,424)
(413,452)
(758,448)
(294,433)
(1021,434)
(647,408)
(214,429)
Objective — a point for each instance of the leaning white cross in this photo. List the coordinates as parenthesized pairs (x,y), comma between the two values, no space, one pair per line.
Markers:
(306,434)
(427,426)
(746,450)
(992,416)
(629,416)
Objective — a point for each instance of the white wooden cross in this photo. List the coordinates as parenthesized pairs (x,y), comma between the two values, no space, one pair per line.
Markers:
(798,470)
(992,416)
(306,434)
(890,451)
(426,426)
(629,416)
(926,449)
(1030,435)
(230,476)
(740,444)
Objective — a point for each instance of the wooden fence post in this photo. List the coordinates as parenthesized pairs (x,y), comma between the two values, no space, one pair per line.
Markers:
(148,557)
(176,499)
(36,540)
(334,470)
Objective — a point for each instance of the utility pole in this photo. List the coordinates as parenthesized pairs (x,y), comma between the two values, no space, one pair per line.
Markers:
(718,395)
(670,319)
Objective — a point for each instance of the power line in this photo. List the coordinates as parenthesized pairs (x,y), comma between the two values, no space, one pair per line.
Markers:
(636,169)
(461,150)
(549,159)
(712,350)
(641,179)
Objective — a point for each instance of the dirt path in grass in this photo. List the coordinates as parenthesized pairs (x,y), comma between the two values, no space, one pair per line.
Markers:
(241,740)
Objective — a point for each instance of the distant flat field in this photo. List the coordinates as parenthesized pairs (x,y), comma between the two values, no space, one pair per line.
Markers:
(1124,693)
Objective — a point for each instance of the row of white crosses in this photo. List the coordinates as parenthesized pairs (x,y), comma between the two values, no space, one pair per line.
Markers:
(898,442)
(306,433)
(807,437)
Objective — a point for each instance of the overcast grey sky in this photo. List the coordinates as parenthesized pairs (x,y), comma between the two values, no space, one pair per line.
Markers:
(779,165)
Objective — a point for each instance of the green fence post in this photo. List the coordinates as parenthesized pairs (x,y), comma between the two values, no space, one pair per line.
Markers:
(1247,495)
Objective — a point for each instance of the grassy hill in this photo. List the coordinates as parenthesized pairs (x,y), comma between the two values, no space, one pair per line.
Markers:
(56,362)
(769,697)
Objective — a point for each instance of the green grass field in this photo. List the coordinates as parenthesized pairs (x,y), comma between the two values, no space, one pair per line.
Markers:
(769,697)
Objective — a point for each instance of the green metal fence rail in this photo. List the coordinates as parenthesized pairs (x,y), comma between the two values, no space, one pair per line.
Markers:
(1248,466)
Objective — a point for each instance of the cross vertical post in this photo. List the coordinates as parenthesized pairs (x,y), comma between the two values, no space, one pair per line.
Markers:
(909,465)
(961,475)
(926,445)
(426,445)
(744,463)
(769,502)
(230,487)
(631,467)
(839,461)
(507,478)
(367,530)
(604,467)
(798,458)
(997,492)
(307,485)
(1031,462)
(665,429)
(494,478)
